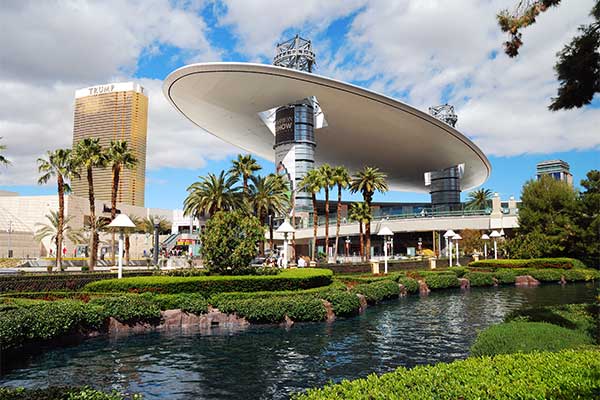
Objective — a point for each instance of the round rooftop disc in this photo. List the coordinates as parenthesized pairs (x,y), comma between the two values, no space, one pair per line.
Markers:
(363,127)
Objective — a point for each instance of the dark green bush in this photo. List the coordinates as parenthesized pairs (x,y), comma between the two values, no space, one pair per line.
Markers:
(441,281)
(62,393)
(525,337)
(128,308)
(567,375)
(480,278)
(506,275)
(458,271)
(411,285)
(580,317)
(545,275)
(184,272)
(377,291)
(188,302)
(293,279)
(573,275)
(344,303)
(560,263)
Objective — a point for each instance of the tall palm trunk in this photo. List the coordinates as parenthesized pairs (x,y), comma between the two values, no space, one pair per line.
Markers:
(116,171)
(362,241)
(338,222)
(61,221)
(368,239)
(94,234)
(127,246)
(263,221)
(327,223)
(271,228)
(315,225)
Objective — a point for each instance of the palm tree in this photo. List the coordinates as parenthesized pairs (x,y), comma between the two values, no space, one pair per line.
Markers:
(327,176)
(57,227)
(118,156)
(146,225)
(341,178)
(313,183)
(213,193)
(269,196)
(58,163)
(88,155)
(479,199)
(361,213)
(367,182)
(3,160)
(244,166)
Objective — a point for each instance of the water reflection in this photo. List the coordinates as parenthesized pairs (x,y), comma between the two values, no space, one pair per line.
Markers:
(267,362)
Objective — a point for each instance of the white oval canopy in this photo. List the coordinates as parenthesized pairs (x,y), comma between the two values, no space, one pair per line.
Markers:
(363,127)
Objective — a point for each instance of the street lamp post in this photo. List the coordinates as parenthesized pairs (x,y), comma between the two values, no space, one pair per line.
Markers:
(155,255)
(122,221)
(485,239)
(385,232)
(286,228)
(495,235)
(449,233)
(456,238)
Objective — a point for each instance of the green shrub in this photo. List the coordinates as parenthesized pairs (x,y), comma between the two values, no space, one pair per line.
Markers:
(377,291)
(293,279)
(411,285)
(560,263)
(525,337)
(506,275)
(545,275)
(566,375)
(188,302)
(480,278)
(184,272)
(441,281)
(62,393)
(128,308)
(580,317)
(574,275)
(344,303)
(458,271)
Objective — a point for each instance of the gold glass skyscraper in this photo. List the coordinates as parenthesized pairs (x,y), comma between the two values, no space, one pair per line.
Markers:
(115,111)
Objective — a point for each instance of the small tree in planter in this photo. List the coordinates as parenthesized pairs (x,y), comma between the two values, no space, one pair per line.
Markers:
(229,242)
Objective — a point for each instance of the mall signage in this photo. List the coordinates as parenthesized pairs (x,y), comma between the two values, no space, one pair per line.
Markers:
(284,125)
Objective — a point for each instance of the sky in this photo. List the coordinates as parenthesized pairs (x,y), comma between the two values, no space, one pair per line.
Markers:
(422,52)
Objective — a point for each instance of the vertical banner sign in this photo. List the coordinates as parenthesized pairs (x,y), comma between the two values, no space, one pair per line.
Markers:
(284,125)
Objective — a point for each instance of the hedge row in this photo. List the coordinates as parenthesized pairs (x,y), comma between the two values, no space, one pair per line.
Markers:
(565,375)
(63,393)
(561,263)
(294,279)
(57,281)
(273,309)
(525,337)
(377,291)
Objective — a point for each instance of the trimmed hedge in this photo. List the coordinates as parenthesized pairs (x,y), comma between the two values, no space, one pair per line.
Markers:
(442,281)
(293,279)
(187,302)
(566,375)
(480,278)
(63,393)
(128,309)
(377,291)
(526,337)
(411,285)
(272,309)
(344,304)
(561,263)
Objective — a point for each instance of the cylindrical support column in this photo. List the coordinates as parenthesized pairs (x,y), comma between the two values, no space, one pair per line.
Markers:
(121,239)
(155,255)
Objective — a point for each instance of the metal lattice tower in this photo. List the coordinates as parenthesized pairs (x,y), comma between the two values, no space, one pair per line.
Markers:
(444,113)
(295,53)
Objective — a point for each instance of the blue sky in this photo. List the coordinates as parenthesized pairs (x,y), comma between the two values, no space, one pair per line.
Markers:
(403,49)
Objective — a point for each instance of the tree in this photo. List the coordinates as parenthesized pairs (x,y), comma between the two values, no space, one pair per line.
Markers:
(58,163)
(230,240)
(479,199)
(57,227)
(471,241)
(118,156)
(269,196)
(588,220)
(578,65)
(313,183)
(88,154)
(244,166)
(3,159)
(547,213)
(341,178)
(327,178)
(361,213)
(213,193)
(146,225)
(367,182)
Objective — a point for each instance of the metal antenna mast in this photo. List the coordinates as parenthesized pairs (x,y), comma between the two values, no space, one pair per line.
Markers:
(444,113)
(295,53)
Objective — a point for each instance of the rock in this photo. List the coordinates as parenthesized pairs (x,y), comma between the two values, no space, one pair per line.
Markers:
(329,307)
(403,291)
(526,280)
(287,322)
(563,280)
(423,288)
(464,283)
(363,302)
(118,328)
(496,281)
(171,318)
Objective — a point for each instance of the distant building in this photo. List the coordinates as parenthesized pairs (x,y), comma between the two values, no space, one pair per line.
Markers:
(115,111)
(557,169)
